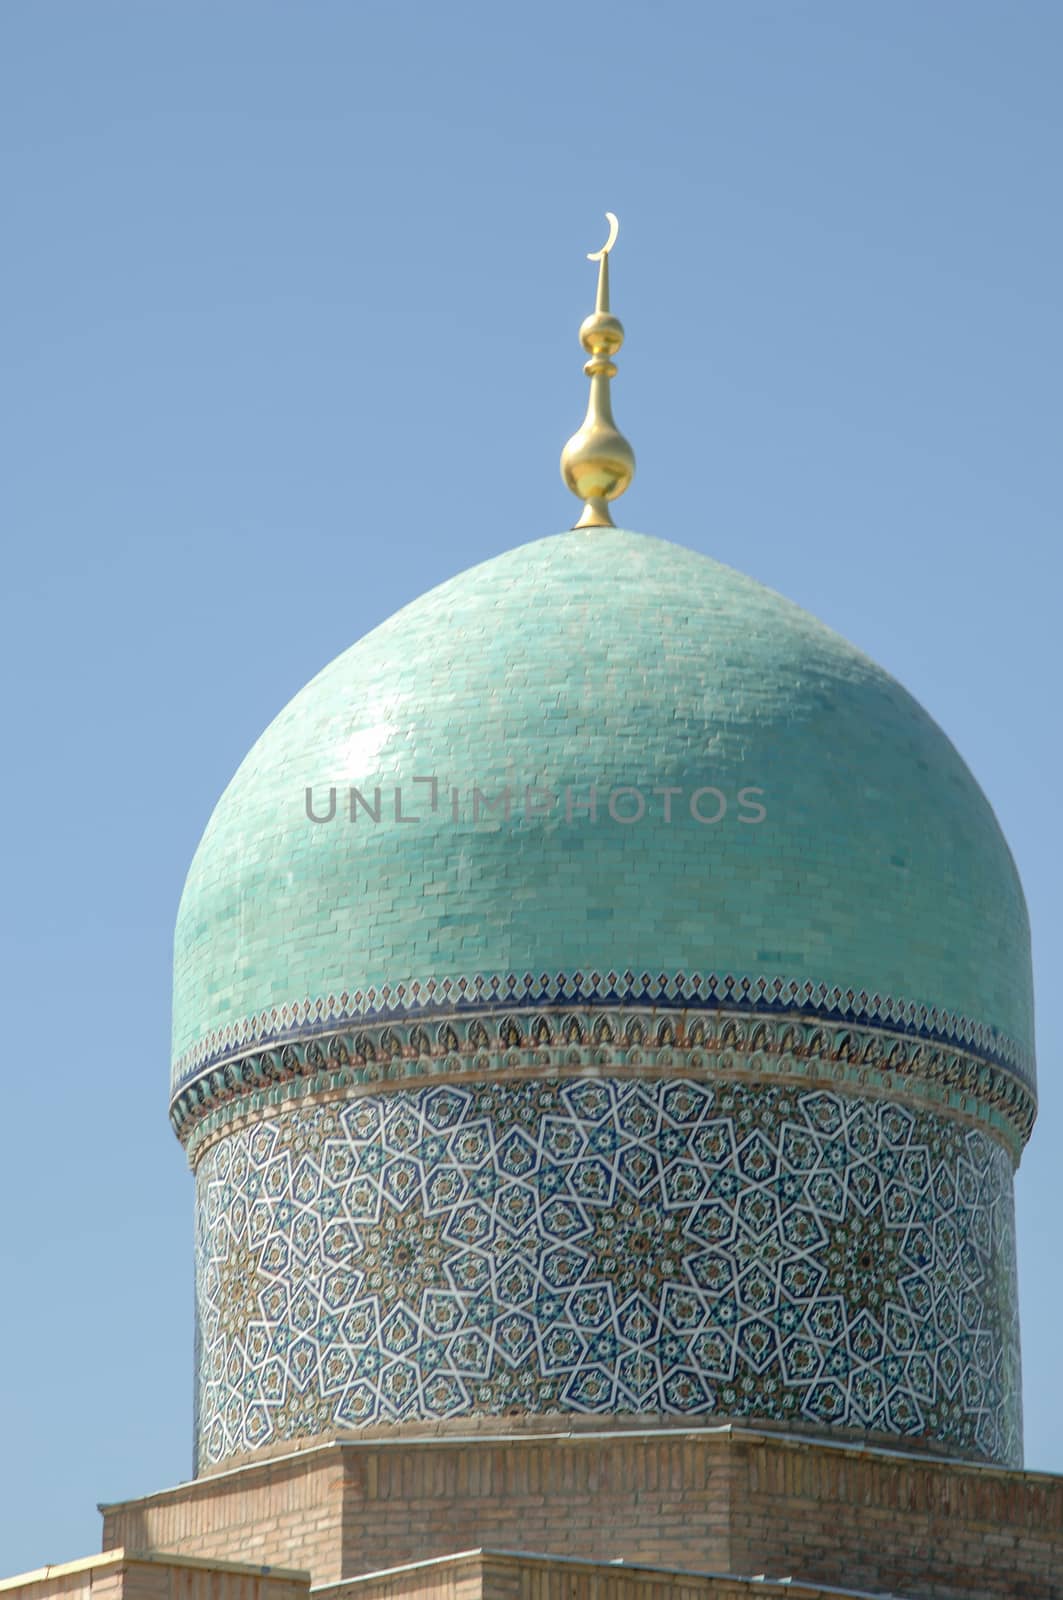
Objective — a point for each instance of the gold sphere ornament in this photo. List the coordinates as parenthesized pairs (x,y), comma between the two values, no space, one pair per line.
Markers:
(597,463)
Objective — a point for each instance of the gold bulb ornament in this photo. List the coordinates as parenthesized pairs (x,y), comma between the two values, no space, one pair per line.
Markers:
(597,463)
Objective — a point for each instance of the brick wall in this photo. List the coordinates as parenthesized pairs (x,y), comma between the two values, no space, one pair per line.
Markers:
(887,1523)
(665,1501)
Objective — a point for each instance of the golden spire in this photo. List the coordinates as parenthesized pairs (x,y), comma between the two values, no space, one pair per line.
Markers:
(597,463)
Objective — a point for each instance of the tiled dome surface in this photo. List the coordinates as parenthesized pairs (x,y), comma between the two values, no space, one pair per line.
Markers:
(608,658)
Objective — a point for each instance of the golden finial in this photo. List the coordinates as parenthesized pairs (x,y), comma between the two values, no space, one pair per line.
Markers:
(597,463)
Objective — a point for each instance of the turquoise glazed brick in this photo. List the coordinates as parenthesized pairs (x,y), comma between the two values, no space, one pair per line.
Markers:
(604,657)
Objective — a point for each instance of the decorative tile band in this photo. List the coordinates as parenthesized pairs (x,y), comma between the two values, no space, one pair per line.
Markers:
(435,998)
(652,1248)
(719,1043)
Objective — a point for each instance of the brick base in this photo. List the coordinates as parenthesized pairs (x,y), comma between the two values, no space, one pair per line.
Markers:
(726,1500)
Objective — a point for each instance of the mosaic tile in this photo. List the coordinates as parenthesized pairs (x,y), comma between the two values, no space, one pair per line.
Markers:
(635,1247)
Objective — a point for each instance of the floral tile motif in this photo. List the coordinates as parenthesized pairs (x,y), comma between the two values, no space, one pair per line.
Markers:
(608,1247)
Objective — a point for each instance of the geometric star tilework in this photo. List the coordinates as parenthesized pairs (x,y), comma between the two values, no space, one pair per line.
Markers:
(610,1247)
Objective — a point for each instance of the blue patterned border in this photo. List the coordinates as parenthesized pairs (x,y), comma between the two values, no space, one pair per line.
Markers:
(438,997)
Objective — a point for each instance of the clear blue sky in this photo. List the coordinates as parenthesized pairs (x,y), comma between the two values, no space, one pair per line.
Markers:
(290,296)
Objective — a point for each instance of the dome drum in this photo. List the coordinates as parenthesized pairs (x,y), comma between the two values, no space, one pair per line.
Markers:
(637,1248)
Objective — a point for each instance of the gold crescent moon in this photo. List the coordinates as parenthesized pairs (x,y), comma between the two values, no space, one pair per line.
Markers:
(614,229)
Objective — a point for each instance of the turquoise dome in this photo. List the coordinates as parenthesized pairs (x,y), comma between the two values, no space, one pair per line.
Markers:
(822,828)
